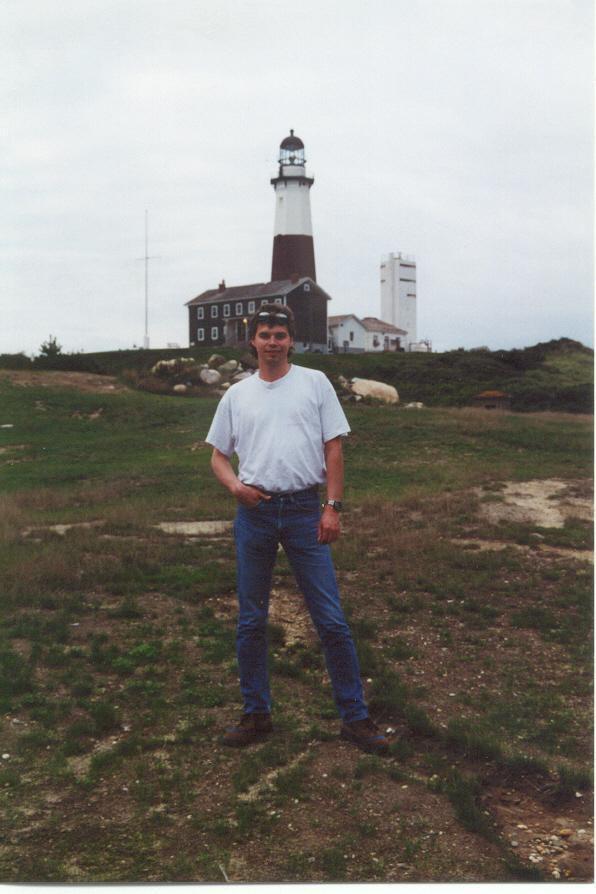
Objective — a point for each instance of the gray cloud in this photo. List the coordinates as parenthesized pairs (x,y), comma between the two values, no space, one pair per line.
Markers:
(458,131)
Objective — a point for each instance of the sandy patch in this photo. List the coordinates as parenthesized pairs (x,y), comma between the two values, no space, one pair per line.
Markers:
(90,382)
(287,608)
(62,529)
(196,528)
(546,503)
(580,555)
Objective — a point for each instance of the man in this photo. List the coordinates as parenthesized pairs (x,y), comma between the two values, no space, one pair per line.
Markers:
(286,424)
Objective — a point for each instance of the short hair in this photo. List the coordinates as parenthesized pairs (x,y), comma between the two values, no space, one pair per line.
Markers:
(272,309)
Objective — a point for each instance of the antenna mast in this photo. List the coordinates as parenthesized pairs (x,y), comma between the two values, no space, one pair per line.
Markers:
(146,336)
(146,259)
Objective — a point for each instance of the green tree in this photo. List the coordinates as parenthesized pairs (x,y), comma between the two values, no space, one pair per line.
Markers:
(50,348)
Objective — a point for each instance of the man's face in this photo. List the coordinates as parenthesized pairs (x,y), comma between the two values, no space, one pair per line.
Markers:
(272,343)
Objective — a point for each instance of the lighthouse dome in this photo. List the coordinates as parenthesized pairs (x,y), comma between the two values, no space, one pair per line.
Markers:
(291,142)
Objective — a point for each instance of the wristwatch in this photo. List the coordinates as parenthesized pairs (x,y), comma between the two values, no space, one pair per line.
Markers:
(335,504)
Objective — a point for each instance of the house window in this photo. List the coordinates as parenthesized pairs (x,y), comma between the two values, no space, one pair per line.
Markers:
(263,301)
(351,336)
(200,313)
(226,310)
(200,335)
(251,307)
(214,332)
(239,308)
(279,301)
(306,287)
(214,310)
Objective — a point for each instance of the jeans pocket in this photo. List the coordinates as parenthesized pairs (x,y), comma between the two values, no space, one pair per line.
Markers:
(309,504)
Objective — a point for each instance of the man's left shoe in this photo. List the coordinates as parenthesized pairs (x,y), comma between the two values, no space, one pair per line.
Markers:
(366,735)
(251,728)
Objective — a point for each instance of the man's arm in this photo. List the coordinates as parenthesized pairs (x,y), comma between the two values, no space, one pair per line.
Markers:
(329,527)
(224,472)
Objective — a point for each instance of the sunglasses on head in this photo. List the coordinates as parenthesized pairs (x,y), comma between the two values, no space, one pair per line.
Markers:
(270,317)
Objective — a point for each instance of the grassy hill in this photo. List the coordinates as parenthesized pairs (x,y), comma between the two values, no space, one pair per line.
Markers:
(117,667)
(555,375)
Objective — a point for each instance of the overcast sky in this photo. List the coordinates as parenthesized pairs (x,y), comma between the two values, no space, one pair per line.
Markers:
(459,131)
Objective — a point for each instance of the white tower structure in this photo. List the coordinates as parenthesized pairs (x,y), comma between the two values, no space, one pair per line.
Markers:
(398,294)
(293,247)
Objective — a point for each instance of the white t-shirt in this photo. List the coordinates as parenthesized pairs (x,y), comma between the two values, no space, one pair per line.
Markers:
(278,429)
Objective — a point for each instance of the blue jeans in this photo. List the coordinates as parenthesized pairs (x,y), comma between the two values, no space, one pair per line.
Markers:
(292,520)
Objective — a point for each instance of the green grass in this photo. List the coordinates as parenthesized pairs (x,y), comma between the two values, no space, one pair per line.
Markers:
(117,645)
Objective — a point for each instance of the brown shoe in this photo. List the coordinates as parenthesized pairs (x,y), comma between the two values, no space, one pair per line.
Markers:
(366,735)
(251,728)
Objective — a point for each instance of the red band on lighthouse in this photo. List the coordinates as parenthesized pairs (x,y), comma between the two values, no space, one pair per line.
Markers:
(293,247)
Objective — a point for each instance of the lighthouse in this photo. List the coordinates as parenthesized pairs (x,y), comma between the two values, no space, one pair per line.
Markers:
(293,247)
(219,316)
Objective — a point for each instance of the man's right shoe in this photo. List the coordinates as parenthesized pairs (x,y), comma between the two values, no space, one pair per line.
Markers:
(251,728)
(366,735)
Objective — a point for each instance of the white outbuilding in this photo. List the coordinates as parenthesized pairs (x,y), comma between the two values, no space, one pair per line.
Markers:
(350,334)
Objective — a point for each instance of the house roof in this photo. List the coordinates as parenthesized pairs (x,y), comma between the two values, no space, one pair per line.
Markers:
(373,324)
(252,290)
(340,318)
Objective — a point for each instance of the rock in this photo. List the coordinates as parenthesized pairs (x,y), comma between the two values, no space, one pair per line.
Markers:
(239,377)
(577,866)
(210,376)
(536,536)
(248,361)
(215,360)
(228,367)
(177,366)
(180,389)
(7,425)
(576,840)
(225,386)
(376,390)
(416,405)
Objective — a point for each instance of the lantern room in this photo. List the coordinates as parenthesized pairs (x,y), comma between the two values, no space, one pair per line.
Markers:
(291,151)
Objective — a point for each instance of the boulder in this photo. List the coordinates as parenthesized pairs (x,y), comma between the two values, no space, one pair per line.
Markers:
(415,405)
(376,390)
(215,360)
(210,376)
(179,389)
(172,367)
(344,384)
(230,366)
(240,376)
(248,361)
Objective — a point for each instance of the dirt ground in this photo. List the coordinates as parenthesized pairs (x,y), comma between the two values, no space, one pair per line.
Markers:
(88,382)
(554,838)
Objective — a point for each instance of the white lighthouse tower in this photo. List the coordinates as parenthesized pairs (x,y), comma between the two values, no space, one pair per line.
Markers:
(398,294)
(293,247)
